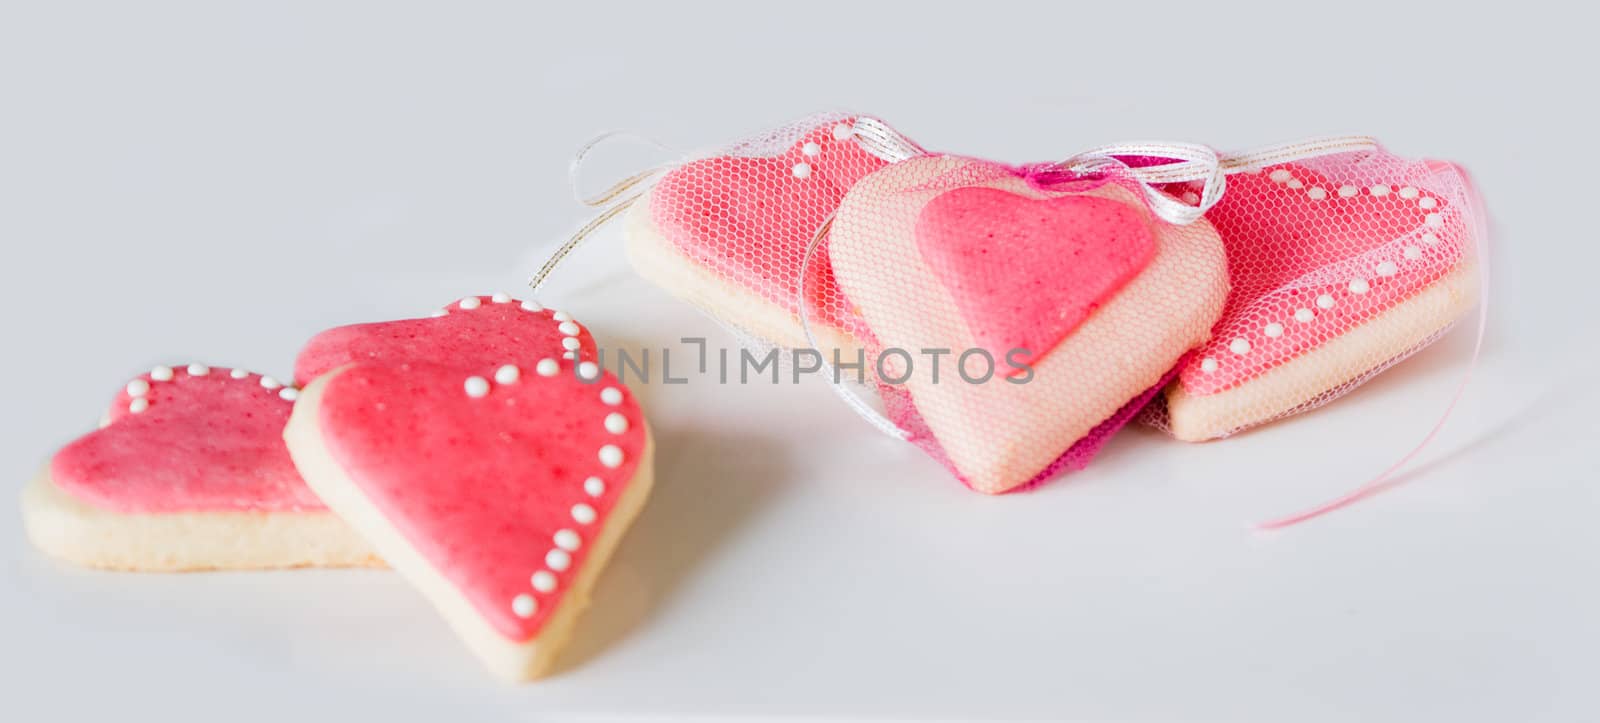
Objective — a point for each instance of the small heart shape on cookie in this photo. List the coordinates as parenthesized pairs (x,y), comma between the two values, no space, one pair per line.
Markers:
(1025,272)
(188,471)
(499,498)
(469,331)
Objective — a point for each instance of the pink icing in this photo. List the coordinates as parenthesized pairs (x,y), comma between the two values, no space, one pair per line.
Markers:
(496,331)
(480,486)
(1025,272)
(749,219)
(1286,248)
(205,443)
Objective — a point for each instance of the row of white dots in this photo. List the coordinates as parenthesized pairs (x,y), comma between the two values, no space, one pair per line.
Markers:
(139,389)
(499,297)
(569,330)
(1317,193)
(1357,286)
(812,149)
(567,541)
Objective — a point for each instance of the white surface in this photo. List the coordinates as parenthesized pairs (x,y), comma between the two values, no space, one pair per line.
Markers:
(217,184)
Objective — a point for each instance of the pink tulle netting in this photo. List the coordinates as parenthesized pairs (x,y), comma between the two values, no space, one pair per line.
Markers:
(1313,271)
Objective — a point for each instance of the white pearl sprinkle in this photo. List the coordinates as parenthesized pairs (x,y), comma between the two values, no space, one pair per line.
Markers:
(1295,183)
(531,305)
(439,313)
(501,297)
(239,373)
(611,396)
(1387,268)
(1409,192)
(543,581)
(571,343)
(138,388)
(594,486)
(1240,346)
(270,383)
(611,455)
(1317,194)
(568,540)
(1428,203)
(558,560)
(1433,219)
(161,374)
(138,405)
(1208,365)
(1359,285)
(1348,191)
(1413,253)
(471,302)
(561,316)
(288,394)
(476,387)
(616,423)
(547,367)
(1304,315)
(582,513)
(1430,239)
(524,605)
(588,370)
(1325,301)
(198,370)
(569,328)
(1280,175)
(811,149)
(1273,330)
(508,374)
(801,170)
(1379,190)
(842,131)
(569,355)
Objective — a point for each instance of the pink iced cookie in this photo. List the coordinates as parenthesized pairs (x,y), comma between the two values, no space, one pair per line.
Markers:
(1339,268)
(944,252)
(499,491)
(468,331)
(729,232)
(189,471)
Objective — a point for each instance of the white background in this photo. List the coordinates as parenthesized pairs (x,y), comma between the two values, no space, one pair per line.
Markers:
(216,182)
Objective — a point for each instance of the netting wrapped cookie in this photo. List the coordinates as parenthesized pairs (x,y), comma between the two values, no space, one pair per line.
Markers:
(1058,301)
(727,230)
(1341,265)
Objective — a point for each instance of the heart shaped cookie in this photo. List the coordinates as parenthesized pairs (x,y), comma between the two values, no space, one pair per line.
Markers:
(728,232)
(471,331)
(188,472)
(1074,285)
(499,492)
(1341,266)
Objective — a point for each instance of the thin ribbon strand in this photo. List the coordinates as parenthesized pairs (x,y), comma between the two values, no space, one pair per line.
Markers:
(607,198)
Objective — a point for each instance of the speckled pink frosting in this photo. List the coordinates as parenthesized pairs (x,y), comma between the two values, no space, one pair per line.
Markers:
(202,443)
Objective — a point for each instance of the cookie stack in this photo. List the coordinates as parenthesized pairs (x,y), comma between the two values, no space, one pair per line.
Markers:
(1208,292)
(481,453)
